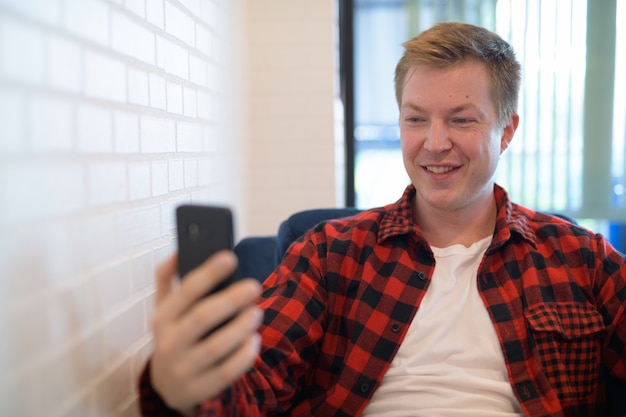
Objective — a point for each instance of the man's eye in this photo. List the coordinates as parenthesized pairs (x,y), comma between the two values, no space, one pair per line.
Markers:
(462,120)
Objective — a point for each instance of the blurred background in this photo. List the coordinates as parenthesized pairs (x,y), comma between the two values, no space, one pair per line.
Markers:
(568,155)
(113,112)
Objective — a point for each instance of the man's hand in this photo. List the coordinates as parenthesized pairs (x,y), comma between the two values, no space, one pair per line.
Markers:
(186,368)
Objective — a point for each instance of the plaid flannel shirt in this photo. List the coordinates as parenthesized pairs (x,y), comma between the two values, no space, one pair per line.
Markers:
(339,305)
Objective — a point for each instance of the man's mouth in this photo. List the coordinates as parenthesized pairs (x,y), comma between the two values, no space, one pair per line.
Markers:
(438,170)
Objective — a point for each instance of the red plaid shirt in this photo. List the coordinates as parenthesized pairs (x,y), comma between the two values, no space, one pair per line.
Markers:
(339,305)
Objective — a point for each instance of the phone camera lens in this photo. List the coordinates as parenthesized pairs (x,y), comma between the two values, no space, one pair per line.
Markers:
(194,231)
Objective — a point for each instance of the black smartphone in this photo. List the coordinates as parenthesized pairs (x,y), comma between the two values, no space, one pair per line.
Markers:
(203,230)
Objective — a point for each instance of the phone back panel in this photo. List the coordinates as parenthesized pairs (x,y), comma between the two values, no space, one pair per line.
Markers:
(202,231)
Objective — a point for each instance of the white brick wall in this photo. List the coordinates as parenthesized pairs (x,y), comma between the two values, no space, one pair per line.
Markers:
(293,86)
(113,112)
(102,134)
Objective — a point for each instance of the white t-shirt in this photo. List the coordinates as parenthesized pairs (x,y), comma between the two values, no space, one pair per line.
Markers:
(450,362)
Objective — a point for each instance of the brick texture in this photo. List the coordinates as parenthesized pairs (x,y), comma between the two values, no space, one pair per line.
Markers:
(113,112)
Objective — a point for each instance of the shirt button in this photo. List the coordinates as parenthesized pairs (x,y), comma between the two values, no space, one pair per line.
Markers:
(365,388)
(395,327)
(421,275)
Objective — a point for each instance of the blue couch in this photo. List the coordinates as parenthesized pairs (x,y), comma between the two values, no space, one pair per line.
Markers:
(260,255)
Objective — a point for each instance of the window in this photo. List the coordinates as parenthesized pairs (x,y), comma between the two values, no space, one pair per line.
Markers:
(568,155)
(542,168)
(618,163)
(380,28)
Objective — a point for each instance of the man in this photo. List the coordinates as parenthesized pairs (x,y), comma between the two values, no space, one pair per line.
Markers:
(451,302)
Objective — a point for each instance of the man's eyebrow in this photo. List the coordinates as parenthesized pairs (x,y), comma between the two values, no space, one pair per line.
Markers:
(413,107)
(462,107)
(466,106)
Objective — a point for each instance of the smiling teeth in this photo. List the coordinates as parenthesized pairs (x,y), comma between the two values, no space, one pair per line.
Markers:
(439,170)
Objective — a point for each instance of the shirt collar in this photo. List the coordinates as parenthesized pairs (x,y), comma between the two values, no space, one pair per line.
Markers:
(510,221)
(398,217)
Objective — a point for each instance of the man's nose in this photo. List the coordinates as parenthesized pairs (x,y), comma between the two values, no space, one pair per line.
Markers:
(437,137)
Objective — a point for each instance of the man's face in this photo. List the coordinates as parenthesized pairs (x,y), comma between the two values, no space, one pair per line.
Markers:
(450,136)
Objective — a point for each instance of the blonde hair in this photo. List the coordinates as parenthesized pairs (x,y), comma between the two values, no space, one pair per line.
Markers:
(447,44)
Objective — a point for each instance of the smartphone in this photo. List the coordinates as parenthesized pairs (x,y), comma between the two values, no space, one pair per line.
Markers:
(202,231)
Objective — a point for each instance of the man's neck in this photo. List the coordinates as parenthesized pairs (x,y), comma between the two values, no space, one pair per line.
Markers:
(463,226)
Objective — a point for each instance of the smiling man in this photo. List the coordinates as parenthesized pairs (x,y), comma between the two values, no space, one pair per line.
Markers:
(453,301)
(451,139)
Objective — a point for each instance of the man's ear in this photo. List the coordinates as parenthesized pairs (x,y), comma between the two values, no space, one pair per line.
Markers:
(509,131)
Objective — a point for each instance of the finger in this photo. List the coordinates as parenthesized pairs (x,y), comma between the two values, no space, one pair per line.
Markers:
(216,379)
(217,308)
(198,283)
(209,275)
(165,274)
(223,342)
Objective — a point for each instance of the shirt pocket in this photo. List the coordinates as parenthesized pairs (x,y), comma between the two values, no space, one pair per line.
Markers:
(568,341)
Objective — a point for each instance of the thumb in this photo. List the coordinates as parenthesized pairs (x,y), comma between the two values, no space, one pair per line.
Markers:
(165,274)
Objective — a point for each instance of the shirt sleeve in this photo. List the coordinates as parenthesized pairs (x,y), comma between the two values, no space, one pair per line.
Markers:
(294,303)
(150,402)
(611,289)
